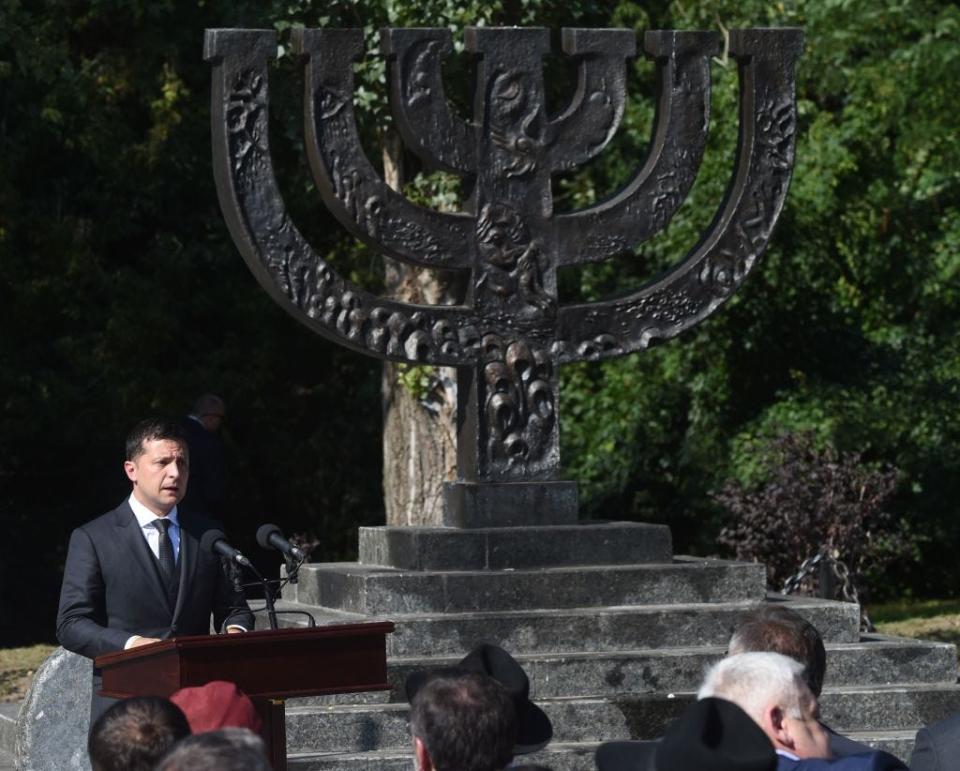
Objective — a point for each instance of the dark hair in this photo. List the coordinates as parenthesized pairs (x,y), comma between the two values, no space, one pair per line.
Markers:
(150,429)
(228,749)
(467,722)
(781,630)
(134,733)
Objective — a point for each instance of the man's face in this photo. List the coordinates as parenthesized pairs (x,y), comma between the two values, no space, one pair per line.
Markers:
(159,475)
(810,740)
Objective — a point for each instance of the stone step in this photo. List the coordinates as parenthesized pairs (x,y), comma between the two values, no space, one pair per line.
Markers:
(587,543)
(8,725)
(379,591)
(359,728)
(574,756)
(587,629)
(845,708)
(875,660)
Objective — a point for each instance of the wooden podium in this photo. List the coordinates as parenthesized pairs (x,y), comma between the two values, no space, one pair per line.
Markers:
(269,666)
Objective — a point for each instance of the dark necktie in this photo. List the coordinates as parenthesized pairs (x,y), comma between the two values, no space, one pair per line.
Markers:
(168,566)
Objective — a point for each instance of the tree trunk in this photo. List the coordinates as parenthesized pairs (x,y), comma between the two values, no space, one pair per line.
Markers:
(419,402)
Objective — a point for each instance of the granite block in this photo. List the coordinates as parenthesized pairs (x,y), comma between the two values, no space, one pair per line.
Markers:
(587,543)
(55,717)
(590,629)
(509,504)
(382,591)
(847,709)
(635,716)
(556,756)
(9,711)
(567,756)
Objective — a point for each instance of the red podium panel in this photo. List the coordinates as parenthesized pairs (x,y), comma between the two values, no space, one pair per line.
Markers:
(268,666)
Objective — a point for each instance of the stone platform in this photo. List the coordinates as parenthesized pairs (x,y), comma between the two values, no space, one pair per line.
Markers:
(613,630)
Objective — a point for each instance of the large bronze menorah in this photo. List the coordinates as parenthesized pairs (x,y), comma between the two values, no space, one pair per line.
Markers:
(510,334)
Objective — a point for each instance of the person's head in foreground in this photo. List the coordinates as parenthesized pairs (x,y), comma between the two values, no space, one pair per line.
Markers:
(770,688)
(776,629)
(134,733)
(463,722)
(711,735)
(534,729)
(229,749)
(218,704)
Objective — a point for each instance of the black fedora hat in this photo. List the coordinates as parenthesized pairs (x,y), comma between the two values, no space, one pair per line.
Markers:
(712,733)
(534,729)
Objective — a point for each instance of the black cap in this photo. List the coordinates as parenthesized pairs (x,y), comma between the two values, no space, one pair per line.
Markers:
(533,726)
(712,733)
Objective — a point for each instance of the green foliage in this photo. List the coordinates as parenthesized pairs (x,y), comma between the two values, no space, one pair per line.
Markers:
(808,499)
(847,329)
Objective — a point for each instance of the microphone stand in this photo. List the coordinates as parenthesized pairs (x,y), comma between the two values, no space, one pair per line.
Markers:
(271,608)
(269,596)
(293,568)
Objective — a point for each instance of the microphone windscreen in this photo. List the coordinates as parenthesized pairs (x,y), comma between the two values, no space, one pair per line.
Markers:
(263,535)
(209,538)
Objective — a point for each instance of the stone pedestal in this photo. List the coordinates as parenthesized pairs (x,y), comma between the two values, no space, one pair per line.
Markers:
(509,504)
(614,631)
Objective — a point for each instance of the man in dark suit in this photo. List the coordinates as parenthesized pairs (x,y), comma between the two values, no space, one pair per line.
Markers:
(937,746)
(781,630)
(771,689)
(208,467)
(136,575)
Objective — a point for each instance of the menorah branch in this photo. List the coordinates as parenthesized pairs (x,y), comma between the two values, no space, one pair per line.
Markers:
(350,187)
(595,112)
(648,201)
(420,109)
(729,250)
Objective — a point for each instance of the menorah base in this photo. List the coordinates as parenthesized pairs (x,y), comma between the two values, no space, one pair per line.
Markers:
(509,504)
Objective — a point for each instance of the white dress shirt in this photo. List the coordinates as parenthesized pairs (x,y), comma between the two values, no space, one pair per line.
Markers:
(146,518)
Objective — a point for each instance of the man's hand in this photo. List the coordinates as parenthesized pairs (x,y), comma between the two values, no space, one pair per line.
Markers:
(235,630)
(137,641)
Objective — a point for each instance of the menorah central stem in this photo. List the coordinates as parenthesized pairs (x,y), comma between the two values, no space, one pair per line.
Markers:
(508,438)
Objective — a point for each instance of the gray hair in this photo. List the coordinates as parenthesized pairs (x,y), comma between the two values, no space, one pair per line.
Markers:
(757,681)
(229,749)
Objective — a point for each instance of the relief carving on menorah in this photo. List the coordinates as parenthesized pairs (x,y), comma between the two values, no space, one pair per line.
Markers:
(510,334)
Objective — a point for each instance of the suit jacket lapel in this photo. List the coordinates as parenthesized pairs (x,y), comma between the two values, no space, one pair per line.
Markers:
(189,558)
(129,535)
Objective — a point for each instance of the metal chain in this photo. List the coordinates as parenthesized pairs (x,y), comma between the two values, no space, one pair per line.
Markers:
(805,571)
(846,587)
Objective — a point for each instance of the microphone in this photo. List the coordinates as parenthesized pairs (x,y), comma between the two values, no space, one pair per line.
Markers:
(216,541)
(270,537)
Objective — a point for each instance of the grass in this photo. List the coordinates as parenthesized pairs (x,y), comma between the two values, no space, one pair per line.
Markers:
(17,666)
(926,619)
